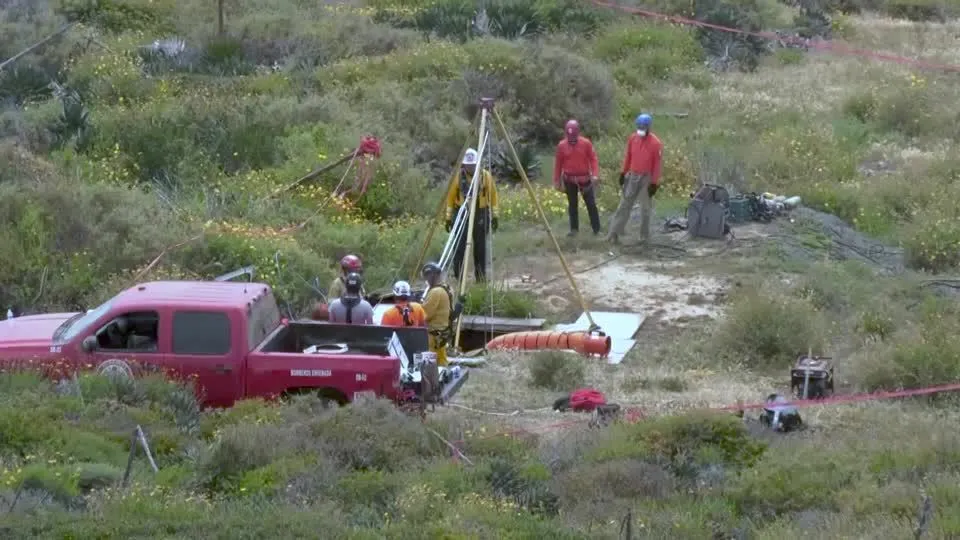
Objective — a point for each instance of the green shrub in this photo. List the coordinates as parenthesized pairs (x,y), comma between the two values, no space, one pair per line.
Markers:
(785,482)
(646,53)
(934,243)
(61,483)
(94,476)
(120,16)
(79,234)
(239,450)
(765,331)
(684,443)
(374,435)
(538,87)
(862,106)
(511,19)
(929,356)
(526,487)
(499,301)
(919,10)
(666,384)
(88,447)
(557,370)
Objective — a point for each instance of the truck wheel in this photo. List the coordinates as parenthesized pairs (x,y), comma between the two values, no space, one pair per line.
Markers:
(115,368)
(330,398)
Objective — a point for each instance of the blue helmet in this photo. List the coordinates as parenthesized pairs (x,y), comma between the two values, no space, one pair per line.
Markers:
(644,120)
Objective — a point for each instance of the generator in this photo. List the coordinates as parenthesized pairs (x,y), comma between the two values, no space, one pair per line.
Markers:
(779,415)
(812,377)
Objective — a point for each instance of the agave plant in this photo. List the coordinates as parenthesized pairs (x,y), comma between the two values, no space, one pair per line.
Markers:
(514,20)
(446,20)
(504,167)
(73,126)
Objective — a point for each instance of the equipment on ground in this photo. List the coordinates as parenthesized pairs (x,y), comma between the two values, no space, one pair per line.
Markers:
(465,219)
(585,343)
(580,400)
(779,415)
(812,377)
(707,212)
(741,209)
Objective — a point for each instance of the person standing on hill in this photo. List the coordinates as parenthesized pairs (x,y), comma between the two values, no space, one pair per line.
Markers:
(639,179)
(485,220)
(404,312)
(576,171)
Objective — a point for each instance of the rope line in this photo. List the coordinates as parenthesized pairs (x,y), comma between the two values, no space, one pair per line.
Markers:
(825,46)
(635,414)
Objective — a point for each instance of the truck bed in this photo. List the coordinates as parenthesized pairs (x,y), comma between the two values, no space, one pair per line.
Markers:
(348,349)
(315,337)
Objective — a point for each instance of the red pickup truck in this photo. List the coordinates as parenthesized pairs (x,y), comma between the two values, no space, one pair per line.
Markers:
(227,336)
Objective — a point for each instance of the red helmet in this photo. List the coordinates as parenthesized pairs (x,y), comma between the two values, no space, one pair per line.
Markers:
(351,263)
(572,129)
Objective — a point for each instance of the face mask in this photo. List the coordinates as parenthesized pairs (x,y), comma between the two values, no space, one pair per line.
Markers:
(642,132)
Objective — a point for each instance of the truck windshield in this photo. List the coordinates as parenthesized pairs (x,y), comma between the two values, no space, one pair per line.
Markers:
(78,323)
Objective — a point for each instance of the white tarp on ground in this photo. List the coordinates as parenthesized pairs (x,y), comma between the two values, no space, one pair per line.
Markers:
(621,327)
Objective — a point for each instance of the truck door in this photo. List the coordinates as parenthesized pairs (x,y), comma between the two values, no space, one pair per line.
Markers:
(203,348)
(136,339)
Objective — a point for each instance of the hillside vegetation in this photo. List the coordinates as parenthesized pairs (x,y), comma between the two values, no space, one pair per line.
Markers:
(147,123)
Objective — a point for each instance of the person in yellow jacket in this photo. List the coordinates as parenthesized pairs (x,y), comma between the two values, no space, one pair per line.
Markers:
(486,218)
(440,313)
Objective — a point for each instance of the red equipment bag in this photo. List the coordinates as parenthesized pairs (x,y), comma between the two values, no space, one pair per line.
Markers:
(586,399)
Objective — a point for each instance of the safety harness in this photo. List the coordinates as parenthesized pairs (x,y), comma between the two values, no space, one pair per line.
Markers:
(445,335)
(405,313)
(350,303)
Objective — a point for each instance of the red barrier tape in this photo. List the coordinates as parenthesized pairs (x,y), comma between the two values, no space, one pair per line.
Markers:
(634,414)
(827,46)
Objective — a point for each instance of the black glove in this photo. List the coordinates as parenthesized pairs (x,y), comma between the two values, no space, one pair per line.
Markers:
(623,178)
(449,225)
(494,223)
(652,189)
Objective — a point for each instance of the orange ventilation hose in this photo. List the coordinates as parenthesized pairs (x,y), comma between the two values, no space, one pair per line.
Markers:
(584,343)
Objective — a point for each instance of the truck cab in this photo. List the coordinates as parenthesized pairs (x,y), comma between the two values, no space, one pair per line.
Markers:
(227,337)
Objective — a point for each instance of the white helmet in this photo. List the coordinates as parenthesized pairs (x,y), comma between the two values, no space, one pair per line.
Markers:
(470,157)
(402,288)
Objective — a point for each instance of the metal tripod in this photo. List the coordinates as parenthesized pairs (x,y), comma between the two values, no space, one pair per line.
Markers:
(489,118)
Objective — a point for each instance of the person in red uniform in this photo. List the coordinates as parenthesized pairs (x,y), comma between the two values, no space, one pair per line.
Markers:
(639,179)
(576,171)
